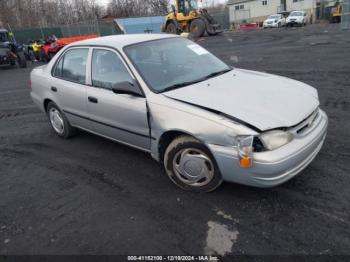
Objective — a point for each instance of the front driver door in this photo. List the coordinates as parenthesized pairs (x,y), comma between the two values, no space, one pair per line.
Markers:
(121,117)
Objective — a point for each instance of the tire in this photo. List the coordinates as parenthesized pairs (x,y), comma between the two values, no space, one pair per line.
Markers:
(31,56)
(210,30)
(67,130)
(198,157)
(171,28)
(197,28)
(21,59)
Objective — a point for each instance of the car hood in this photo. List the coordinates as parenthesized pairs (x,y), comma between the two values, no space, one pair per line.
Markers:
(261,100)
(295,17)
(270,20)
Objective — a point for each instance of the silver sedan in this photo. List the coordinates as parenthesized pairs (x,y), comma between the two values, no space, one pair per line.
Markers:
(204,120)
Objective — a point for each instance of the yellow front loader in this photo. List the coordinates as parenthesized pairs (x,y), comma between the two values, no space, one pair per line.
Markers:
(186,16)
(336,13)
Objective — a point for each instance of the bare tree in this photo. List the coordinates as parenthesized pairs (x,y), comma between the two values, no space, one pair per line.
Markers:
(132,8)
(30,13)
(33,13)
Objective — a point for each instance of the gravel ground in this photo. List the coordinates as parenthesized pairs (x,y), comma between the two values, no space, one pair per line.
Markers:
(88,195)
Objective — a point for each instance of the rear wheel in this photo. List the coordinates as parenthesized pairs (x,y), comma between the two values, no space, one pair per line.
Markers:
(31,56)
(59,122)
(191,166)
(171,28)
(21,60)
(197,28)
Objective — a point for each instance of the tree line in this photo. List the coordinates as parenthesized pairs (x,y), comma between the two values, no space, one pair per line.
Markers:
(34,13)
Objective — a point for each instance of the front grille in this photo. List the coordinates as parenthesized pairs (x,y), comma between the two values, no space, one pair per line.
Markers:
(307,123)
(3,51)
(258,145)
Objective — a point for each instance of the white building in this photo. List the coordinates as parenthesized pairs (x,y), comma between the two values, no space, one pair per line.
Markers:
(257,10)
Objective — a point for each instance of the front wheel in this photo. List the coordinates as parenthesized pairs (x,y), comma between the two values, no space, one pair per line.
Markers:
(171,28)
(59,122)
(191,166)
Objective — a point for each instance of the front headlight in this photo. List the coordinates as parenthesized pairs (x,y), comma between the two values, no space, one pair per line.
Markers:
(275,139)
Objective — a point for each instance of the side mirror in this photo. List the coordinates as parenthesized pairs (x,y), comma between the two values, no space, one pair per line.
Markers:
(173,8)
(127,87)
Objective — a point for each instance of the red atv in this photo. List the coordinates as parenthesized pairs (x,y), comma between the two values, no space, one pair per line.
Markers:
(53,45)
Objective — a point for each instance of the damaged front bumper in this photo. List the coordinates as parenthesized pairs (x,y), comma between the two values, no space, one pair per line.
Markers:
(275,167)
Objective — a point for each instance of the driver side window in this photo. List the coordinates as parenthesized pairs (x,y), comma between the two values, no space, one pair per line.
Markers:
(108,69)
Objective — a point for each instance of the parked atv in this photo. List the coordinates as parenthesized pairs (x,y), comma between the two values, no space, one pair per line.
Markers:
(33,50)
(10,53)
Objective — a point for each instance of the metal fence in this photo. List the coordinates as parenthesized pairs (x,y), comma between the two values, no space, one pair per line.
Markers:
(345,19)
(27,34)
(99,27)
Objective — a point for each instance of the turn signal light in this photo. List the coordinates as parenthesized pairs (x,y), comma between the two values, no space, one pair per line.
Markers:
(245,162)
(245,151)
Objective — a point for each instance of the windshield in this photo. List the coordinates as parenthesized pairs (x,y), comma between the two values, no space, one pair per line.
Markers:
(185,6)
(3,37)
(193,4)
(296,14)
(274,17)
(171,63)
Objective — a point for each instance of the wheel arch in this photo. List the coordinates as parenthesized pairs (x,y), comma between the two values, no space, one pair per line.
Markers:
(46,103)
(168,136)
(174,22)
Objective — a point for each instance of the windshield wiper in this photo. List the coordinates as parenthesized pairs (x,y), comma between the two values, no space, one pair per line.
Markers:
(218,73)
(178,85)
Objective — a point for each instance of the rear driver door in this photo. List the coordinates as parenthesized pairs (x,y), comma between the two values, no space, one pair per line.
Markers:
(68,86)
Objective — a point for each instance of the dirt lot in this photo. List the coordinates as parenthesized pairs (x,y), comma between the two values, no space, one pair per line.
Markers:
(88,195)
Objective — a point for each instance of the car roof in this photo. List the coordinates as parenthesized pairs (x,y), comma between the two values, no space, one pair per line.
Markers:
(119,41)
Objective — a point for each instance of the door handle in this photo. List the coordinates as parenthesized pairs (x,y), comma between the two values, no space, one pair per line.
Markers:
(93,99)
(53,88)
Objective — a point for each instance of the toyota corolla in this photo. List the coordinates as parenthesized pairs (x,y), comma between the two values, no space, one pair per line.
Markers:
(204,120)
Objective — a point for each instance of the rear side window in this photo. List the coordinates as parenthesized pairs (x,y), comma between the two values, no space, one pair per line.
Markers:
(72,66)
